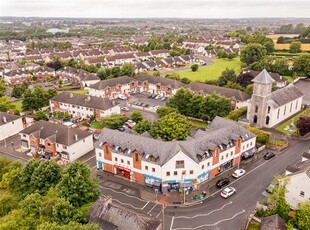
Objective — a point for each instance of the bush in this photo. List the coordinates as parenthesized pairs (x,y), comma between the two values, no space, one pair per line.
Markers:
(262,137)
(234,115)
(194,67)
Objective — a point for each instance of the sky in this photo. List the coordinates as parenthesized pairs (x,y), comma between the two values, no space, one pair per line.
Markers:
(156,8)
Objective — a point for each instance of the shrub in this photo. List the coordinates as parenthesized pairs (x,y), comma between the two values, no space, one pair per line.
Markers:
(262,137)
(234,115)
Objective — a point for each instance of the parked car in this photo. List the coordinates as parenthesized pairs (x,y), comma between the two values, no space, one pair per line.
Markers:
(222,182)
(125,109)
(269,155)
(164,98)
(227,192)
(48,84)
(150,95)
(270,188)
(146,105)
(157,97)
(136,103)
(122,97)
(130,124)
(121,128)
(153,96)
(238,173)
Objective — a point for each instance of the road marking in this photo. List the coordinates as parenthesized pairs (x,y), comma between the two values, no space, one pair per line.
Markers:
(209,225)
(145,205)
(151,209)
(165,206)
(171,223)
(242,176)
(207,214)
(126,204)
(122,193)
(90,158)
(15,156)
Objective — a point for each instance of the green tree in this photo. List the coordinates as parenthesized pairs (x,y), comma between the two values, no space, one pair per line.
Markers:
(226,76)
(19,90)
(30,206)
(165,110)
(102,74)
(25,176)
(195,104)
(5,104)
(231,56)
(70,226)
(281,40)
(222,54)
(269,45)
(181,101)
(127,70)
(172,126)
(143,126)
(252,53)
(302,65)
(38,98)
(63,212)
(76,184)
(2,88)
(295,47)
(194,67)
(41,115)
(113,121)
(136,116)
(115,71)
(185,80)
(302,218)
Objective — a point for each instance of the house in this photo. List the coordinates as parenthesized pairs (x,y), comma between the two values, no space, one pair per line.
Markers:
(55,140)
(110,88)
(9,125)
(169,62)
(95,61)
(278,79)
(160,53)
(151,65)
(120,59)
(42,72)
(274,222)
(143,56)
(298,185)
(110,215)
(266,108)
(238,98)
(140,67)
(88,79)
(168,164)
(15,77)
(84,106)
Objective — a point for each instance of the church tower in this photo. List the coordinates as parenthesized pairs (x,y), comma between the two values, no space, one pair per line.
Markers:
(258,109)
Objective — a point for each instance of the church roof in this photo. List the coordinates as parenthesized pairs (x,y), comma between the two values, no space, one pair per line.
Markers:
(285,95)
(263,77)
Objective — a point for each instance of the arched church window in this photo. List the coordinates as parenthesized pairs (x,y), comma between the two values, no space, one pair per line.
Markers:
(268,109)
(255,119)
(256,109)
(267,120)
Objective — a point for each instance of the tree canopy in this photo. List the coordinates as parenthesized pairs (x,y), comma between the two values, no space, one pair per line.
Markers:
(253,52)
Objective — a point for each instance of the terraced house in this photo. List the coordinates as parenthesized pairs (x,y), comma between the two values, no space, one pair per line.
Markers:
(168,164)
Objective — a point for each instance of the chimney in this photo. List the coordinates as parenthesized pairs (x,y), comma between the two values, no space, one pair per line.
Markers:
(4,119)
(76,137)
(87,98)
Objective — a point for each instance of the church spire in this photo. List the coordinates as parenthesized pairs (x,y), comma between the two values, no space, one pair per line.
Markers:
(263,78)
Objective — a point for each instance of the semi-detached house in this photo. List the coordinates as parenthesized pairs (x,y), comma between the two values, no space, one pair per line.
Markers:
(169,164)
(45,138)
(9,125)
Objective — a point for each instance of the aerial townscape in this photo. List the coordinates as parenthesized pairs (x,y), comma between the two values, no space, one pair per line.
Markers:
(154,115)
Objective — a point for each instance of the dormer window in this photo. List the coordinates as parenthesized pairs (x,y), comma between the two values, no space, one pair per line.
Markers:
(151,158)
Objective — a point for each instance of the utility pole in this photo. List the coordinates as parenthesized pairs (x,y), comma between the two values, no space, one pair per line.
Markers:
(163,211)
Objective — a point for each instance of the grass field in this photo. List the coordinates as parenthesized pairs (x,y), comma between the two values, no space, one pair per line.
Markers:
(288,122)
(212,72)
(274,37)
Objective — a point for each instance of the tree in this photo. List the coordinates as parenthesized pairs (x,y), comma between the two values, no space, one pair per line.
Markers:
(113,121)
(5,104)
(231,56)
(25,176)
(102,74)
(19,90)
(31,205)
(226,76)
(302,65)
(185,80)
(214,105)
(63,212)
(194,67)
(165,110)
(41,115)
(252,53)
(38,98)
(245,79)
(281,40)
(269,45)
(222,54)
(76,184)
(115,71)
(143,126)
(172,126)
(303,215)
(195,104)
(180,101)
(70,226)
(45,176)
(303,125)
(136,116)
(295,47)
(127,70)
(2,88)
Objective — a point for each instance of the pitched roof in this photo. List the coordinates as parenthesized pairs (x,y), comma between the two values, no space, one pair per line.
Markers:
(285,95)
(59,133)
(7,117)
(263,77)
(160,80)
(101,85)
(84,100)
(306,155)
(227,92)
(123,217)
(274,76)
(274,222)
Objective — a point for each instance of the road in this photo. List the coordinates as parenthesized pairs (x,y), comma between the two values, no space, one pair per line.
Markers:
(215,212)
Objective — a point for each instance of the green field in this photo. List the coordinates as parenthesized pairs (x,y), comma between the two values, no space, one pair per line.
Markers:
(212,72)
(288,122)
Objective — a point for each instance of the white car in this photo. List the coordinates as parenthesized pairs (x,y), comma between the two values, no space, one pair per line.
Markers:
(125,109)
(227,192)
(122,97)
(238,173)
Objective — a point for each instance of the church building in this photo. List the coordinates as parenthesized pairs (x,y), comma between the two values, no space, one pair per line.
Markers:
(266,108)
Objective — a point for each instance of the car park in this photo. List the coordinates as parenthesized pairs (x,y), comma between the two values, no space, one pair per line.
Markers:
(227,192)
(146,105)
(157,97)
(238,173)
(222,182)
(164,98)
(122,97)
(269,155)
(153,96)
(125,109)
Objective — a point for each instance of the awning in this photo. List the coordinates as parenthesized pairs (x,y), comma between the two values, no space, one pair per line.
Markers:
(122,168)
(186,184)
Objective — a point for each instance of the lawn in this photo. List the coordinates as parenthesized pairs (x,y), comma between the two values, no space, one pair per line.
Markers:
(79,91)
(253,226)
(282,127)
(18,105)
(289,78)
(212,72)
(96,125)
(199,124)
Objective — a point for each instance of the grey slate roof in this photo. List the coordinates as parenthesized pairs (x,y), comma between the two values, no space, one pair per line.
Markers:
(306,155)
(263,77)
(123,217)
(220,132)
(6,117)
(227,92)
(101,85)
(160,80)
(274,222)
(274,76)
(55,132)
(285,95)
(84,100)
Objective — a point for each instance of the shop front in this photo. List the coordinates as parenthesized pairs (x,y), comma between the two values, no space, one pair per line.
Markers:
(248,154)
(122,171)
(223,167)
(187,185)
(99,165)
(152,182)
(203,177)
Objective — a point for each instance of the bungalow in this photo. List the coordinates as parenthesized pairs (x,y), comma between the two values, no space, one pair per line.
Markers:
(83,106)
(45,138)
(9,125)
(169,62)
(150,65)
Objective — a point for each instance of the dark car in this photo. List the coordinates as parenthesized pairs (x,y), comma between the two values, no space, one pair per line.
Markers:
(121,128)
(222,182)
(269,155)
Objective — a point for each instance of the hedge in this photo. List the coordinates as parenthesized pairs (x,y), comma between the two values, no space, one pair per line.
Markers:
(262,137)
(234,115)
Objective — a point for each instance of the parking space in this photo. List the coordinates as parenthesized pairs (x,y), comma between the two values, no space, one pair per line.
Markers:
(304,85)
